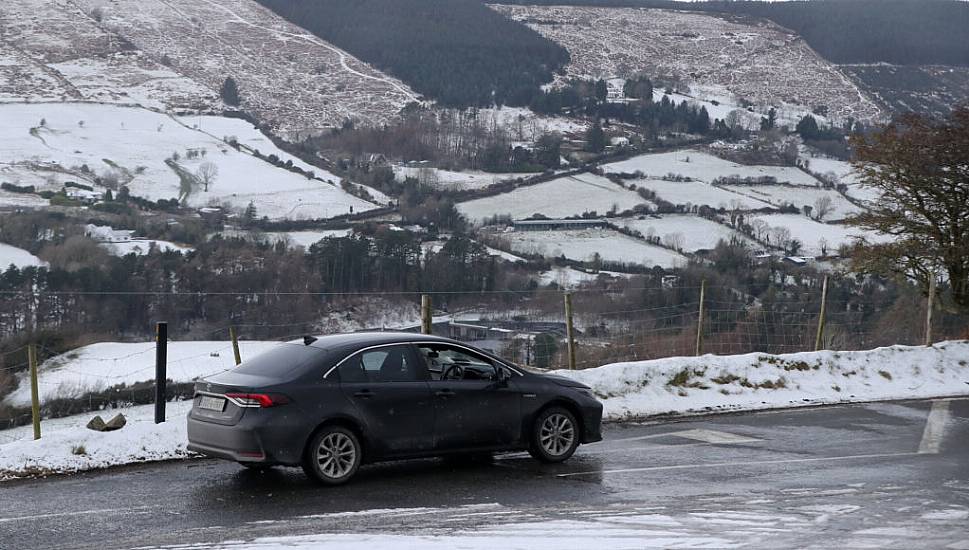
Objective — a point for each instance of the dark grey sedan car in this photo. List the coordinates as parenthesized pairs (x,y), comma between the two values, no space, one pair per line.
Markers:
(332,403)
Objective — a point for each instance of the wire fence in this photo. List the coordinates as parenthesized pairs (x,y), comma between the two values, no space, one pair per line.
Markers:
(627,323)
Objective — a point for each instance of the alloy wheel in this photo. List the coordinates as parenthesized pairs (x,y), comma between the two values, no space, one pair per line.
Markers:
(557,434)
(336,455)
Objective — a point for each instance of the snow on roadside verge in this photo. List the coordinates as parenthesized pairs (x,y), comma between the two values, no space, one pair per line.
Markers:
(66,446)
(678,385)
(711,384)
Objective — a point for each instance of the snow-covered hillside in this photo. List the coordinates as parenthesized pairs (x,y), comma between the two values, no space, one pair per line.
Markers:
(755,60)
(152,153)
(559,198)
(175,55)
(57,51)
(99,366)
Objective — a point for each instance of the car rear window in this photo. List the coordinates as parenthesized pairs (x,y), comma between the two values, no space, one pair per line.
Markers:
(284,359)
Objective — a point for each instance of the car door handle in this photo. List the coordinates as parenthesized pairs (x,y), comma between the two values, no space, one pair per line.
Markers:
(444,393)
(364,394)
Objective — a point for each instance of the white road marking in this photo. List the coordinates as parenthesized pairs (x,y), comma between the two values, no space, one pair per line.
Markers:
(138,510)
(742,463)
(699,434)
(715,437)
(935,428)
(655,448)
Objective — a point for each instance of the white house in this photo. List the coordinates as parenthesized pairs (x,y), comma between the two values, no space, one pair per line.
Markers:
(107,234)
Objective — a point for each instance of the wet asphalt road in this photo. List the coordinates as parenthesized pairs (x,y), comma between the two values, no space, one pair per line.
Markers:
(885,475)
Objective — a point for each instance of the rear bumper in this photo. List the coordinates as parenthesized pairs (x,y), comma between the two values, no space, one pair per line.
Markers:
(229,442)
(244,442)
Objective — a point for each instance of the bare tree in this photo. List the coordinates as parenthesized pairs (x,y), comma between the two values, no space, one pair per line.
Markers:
(674,241)
(760,227)
(112,179)
(427,176)
(822,207)
(920,167)
(207,174)
(780,237)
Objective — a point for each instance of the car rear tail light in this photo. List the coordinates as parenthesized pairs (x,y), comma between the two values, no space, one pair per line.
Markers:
(257,400)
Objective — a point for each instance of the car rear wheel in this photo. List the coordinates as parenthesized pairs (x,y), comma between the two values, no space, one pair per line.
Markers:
(555,435)
(333,455)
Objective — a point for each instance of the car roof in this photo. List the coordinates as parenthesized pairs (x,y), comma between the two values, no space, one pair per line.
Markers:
(361,339)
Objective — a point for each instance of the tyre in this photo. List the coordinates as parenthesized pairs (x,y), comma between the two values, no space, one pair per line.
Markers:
(555,435)
(332,456)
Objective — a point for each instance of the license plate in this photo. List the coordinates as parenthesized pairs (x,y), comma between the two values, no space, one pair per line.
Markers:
(211,403)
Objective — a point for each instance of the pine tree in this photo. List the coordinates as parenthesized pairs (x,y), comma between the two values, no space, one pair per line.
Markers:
(230,92)
(769,122)
(808,128)
(250,214)
(595,139)
(602,90)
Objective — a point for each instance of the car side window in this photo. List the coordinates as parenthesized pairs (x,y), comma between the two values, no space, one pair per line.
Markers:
(386,364)
(446,362)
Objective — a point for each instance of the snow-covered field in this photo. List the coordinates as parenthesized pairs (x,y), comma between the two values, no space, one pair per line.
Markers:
(811,233)
(18,200)
(698,193)
(11,255)
(568,277)
(48,144)
(685,232)
(559,198)
(631,390)
(455,181)
(582,245)
(141,247)
(724,383)
(779,195)
(705,167)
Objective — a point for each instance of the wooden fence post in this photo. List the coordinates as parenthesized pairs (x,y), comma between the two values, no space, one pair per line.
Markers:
(34,391)
(427,320)
(699,323)
(824,306)
(569,329)
(235,345)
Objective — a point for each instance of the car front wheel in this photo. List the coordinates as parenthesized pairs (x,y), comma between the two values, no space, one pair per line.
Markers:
(333,455)
(555,435)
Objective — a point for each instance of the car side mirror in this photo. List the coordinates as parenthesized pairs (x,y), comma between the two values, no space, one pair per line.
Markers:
(503,377)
